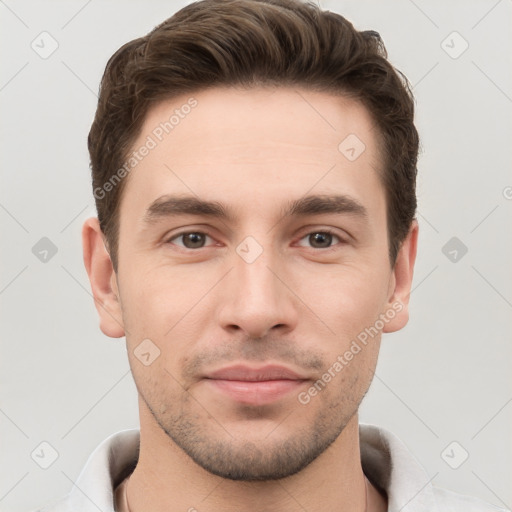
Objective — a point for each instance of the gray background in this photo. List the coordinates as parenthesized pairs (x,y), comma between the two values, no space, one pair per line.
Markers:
(446,377)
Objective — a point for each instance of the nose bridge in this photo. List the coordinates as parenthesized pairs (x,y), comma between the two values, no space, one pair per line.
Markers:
(258,300)
(252,271)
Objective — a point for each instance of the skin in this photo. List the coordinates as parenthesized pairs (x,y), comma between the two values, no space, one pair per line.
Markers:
(299,304)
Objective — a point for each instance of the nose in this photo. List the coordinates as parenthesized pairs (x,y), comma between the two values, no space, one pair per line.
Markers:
(257,297)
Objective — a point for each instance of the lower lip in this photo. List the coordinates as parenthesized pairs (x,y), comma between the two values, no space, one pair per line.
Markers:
(256,393)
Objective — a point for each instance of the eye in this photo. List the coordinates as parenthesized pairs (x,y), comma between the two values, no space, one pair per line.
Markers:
(320,239)
(197,239)
(190,239)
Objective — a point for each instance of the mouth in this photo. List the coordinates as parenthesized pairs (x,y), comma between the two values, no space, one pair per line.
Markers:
(255,386)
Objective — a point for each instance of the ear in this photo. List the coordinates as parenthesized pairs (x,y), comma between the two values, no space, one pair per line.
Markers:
(401,281)
(102,278)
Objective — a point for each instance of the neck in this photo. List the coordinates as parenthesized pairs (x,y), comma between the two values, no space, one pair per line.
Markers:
(166,479)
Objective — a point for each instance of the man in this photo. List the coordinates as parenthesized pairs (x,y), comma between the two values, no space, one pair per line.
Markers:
(254,169)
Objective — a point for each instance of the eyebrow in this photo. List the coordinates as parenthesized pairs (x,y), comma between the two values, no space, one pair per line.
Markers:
(171,205)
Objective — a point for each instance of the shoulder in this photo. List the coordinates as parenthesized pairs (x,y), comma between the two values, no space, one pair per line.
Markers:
(449,501)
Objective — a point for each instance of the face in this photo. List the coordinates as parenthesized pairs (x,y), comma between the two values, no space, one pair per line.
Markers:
(254,279)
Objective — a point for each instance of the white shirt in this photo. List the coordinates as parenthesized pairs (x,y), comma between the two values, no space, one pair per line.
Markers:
(385,460)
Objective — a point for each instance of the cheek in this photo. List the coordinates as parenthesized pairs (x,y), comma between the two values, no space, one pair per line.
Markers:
(348,300)
(158,384)
(156,301)
(169,312)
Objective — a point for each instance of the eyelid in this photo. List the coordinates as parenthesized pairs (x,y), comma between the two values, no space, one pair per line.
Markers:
(319,228)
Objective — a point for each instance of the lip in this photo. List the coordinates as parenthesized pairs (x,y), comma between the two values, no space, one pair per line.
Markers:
(263,373)
(255,386)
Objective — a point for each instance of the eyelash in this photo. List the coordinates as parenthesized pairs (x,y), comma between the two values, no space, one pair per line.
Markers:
(323,231)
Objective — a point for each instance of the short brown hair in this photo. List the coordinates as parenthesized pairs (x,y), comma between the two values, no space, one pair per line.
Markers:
(249,43)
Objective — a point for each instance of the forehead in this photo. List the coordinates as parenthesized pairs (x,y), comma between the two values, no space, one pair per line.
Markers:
(254,144)
(217,118)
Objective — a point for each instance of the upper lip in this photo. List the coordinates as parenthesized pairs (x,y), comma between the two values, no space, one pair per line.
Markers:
(258,374)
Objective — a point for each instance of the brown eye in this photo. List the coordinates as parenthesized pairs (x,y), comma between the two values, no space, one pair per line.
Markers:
(320,239)
(190,239)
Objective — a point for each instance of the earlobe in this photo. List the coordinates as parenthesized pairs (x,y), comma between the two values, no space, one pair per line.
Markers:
(401,281)
(102,278)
